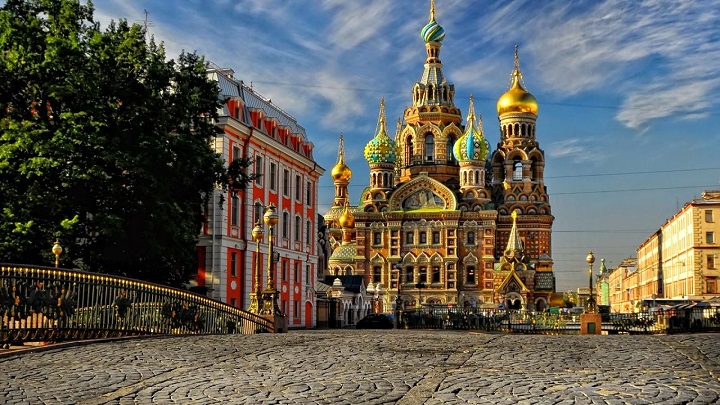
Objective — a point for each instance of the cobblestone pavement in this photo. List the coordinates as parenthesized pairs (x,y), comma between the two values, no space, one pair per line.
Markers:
(372,367)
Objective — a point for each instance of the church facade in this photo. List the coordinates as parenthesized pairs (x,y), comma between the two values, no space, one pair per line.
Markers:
(445,219)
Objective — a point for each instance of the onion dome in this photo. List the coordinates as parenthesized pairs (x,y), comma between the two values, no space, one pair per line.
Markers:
(347,219)
(517,99)
(340,172)
(381,149)
(472,145)
(432,32)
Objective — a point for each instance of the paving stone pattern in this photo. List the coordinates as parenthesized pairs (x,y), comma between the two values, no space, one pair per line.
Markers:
(371,367)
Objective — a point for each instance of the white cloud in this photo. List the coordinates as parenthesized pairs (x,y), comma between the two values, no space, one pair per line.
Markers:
(577,150)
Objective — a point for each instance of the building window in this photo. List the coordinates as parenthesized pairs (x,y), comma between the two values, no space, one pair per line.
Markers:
(409,238)
(377,273)
(470,275)
(711,261)
(235,210)
(517,170)
(377,238)
(423,274)
(471,238)
(286,182)
(257,213)
(449,149)
(436,238)
(710,237)
(708,216)
(298,187)
(233,264)
(273,177)
(235,153)
(285,224)
(711,283)
(258,170)
(233,302)
(429,147)
(298,228)
(409,274)
(308,231)
(296,309)
(435,274)
(297,273)
(423,237)
(285,270)
(308,193)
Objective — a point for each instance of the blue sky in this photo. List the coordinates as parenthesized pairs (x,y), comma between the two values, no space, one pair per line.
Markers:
(627,91)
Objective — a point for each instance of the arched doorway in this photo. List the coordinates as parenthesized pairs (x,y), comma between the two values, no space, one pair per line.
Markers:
(513,301)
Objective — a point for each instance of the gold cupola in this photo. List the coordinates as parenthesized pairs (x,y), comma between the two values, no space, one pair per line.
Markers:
(517,99)
(346,219)
(340,172)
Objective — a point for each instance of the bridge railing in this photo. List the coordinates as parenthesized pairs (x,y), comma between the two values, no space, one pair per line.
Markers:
(49,304)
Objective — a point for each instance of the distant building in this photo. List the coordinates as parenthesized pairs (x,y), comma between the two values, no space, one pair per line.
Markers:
(443,219)
(678,262)
(255,128)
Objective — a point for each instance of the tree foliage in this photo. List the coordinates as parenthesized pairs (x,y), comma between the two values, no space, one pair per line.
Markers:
(104,144)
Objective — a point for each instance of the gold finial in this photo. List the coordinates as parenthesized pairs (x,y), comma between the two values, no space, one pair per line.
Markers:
(514,217)
(341,150)
(517,60)
(479,123)
(381,118)
(432,10)
(471,112)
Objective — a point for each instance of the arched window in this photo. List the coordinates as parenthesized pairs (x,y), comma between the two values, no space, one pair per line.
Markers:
(533,169)
(408,151)
(517,169)
(429,148)
(377,273)
(471,238)
(449,149)
(470,275)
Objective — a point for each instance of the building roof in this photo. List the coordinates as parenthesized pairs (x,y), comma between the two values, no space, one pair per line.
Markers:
(351,283)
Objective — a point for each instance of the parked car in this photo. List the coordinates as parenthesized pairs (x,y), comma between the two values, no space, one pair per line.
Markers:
(376,321)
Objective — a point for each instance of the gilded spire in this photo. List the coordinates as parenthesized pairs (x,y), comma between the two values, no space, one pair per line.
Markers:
(432,10)
(471,112)
(381,149)
(514,244)
(341,151)
(472,146)
(381,118)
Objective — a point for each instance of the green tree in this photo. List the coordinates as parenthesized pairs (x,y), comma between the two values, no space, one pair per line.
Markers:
(104,144)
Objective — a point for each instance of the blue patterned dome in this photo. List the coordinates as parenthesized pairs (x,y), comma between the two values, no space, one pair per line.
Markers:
(472,146)
(432,32)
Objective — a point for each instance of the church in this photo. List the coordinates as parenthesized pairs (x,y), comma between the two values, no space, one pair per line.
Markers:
(444,219)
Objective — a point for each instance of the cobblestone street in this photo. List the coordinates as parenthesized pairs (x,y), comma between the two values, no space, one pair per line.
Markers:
(371,367)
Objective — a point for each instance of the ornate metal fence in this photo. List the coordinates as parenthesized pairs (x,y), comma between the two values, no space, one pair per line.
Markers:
(48,304)
(697,319)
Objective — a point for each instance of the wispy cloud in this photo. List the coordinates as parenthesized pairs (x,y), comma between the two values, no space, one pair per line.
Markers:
(577,150)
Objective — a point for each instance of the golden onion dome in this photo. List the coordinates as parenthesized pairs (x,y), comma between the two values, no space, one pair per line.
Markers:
(517,99)
(347,219)
(340,172)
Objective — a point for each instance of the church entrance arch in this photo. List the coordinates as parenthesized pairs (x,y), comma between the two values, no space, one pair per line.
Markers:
(513,300)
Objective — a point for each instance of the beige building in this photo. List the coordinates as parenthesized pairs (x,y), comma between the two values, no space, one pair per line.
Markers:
(678,262)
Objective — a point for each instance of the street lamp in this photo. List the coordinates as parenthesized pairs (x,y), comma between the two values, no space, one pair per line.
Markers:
(56,250)
(420,286)
(270,294)
(258,233)
(590,259)
(378,290)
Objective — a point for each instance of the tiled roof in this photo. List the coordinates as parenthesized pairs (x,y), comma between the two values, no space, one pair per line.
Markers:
(344,253)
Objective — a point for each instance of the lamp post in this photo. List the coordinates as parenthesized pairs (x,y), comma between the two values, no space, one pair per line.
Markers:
(270,294)
(57,250)
(590,259)
(258,233)
(378,290)
(420,286)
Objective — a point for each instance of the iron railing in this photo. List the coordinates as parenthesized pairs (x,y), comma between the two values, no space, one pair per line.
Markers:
(697,319)
(49,304)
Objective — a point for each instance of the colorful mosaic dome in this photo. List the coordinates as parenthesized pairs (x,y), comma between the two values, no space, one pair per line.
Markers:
(432,32)
(381,149)
(472,145)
